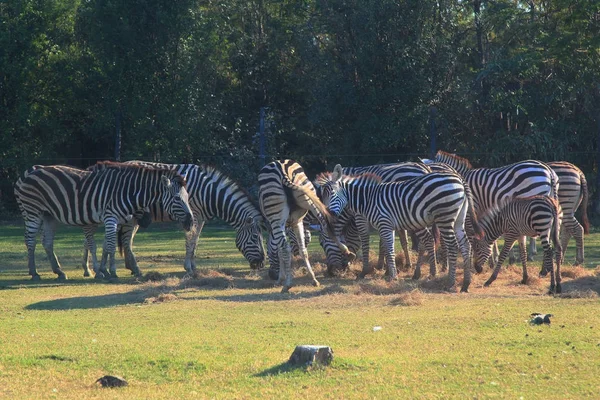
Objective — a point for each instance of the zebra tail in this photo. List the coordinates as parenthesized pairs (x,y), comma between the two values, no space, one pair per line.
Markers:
(584,204)
(556,227)
(479,232)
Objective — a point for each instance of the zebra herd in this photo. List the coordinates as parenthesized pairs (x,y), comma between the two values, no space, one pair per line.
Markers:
(470,208)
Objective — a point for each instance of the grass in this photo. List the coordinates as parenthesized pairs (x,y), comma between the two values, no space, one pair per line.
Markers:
(227,332)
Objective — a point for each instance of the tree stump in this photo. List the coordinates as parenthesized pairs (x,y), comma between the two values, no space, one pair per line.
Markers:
(310,355)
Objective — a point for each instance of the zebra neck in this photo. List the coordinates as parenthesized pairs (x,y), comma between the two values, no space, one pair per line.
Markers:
(359,197)
(214,195)
(492,228)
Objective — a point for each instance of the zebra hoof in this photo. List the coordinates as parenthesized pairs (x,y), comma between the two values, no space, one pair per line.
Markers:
(451,289)
(464,289)
(99,275)
(61,278)
(36,277)
(316,284)
(416,276)
(488,283)
(478,269)
(87,274)
(285,289)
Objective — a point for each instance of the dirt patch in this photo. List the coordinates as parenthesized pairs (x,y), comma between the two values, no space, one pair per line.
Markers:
(161,298)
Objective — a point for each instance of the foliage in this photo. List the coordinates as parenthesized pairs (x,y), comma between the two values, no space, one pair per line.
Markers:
(342,81)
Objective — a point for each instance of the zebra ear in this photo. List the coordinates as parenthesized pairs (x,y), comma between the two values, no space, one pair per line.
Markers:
(337,173)
(165,181)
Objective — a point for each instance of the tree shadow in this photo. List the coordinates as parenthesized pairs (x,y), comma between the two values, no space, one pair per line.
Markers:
(90,302)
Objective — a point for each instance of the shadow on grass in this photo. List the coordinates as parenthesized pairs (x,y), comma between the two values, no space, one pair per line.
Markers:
(282,368)
(90,302)
(582,284)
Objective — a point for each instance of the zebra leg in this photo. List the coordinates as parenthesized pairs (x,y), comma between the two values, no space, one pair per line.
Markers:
(89,249)
(523,255)
(273,254)
(31,229)
(363,228)
(426,242)
(465,250)
(443,256)
(285,265)
(128,232)
(559,256)
(48,243)
(420,257)
(381,259)
(509,241)
(191,243)
(572,227)
(403,235)
(299,232)
(532,249)
(108,249)
(111,246)
(449,238)
(386,236)
(493,260)
(548,256)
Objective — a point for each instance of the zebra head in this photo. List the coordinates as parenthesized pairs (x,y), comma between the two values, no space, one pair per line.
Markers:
(249,241)
(482,250)
(333,195)
(175,200)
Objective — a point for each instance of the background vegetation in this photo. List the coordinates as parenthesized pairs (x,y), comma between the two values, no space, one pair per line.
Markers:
(347,81)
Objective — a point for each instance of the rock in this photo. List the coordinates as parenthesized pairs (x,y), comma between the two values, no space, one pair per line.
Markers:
(539,319)
(112,381)
(310,355)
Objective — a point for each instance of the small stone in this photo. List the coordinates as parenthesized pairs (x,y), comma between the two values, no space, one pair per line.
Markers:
(112,381)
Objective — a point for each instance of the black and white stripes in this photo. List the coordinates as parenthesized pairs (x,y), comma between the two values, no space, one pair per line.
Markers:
(109,193)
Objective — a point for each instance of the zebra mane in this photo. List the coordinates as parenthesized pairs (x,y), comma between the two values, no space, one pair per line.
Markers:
(367,177)
(461,160)
(113,165)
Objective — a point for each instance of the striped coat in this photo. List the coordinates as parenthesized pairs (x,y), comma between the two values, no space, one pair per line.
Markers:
(109,194)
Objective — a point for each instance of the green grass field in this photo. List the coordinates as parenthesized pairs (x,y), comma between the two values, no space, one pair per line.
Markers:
(227,333)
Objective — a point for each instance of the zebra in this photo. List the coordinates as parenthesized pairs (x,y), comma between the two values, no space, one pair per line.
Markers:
(110,194)
(272,251)
(530,216)
(211,194)
(414,204)
(387,173)
(491,186)
(572,192)
(285,196)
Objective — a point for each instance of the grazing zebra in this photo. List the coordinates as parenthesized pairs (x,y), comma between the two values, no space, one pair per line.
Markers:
(519,217)
(110,194)
(572,192)
(211,194)
(492,186)
(414,204)
(285,197)
(387,173)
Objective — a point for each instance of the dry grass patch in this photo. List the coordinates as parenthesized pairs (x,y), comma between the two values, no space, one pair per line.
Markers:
(209,278)
(153,276)
(381,287)
(161,298)
(333,289)
(574,272)
(411,298)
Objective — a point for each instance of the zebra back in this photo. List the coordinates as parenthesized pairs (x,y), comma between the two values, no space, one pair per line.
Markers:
(572,190)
